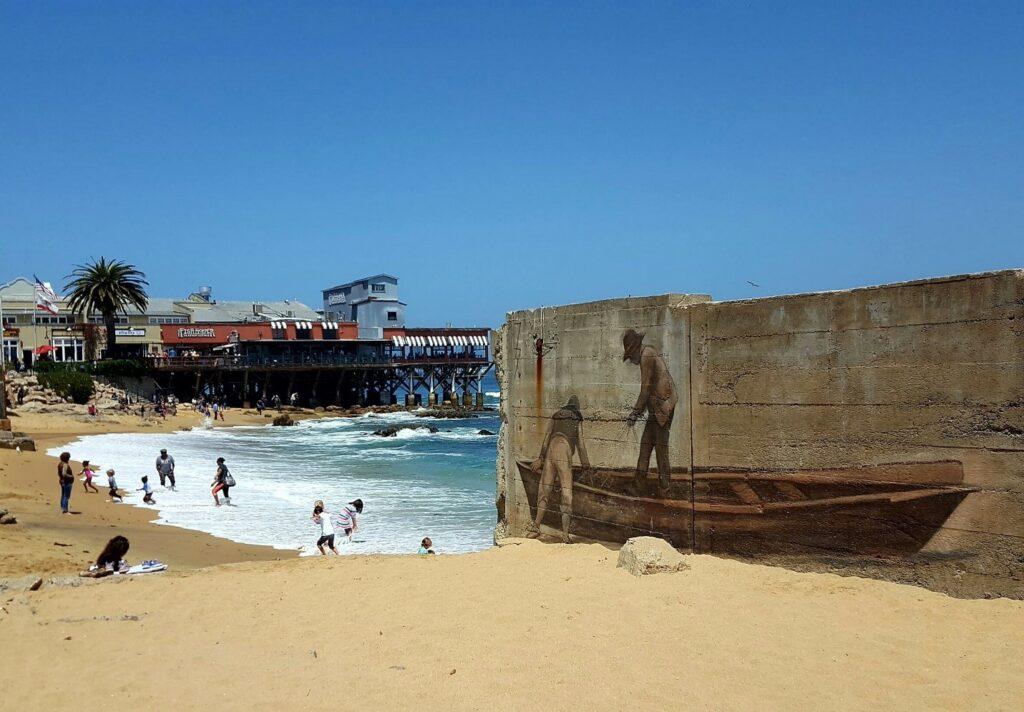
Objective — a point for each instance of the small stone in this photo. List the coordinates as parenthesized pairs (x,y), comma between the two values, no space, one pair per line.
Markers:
(644,555)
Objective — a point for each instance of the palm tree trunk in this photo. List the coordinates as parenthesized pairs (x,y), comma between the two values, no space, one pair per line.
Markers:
(110,321)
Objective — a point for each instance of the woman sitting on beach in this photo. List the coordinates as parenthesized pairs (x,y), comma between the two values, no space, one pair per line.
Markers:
(111,559)
(426,546)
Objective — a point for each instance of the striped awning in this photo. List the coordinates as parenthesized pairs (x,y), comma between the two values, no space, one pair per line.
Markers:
(329,324)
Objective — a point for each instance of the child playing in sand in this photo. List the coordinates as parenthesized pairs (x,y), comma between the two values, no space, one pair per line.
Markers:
(426,546)
(148,496)
(112,483)
(87,473)
(323,518)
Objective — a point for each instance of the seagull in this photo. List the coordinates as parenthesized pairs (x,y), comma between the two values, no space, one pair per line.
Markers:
(752,284)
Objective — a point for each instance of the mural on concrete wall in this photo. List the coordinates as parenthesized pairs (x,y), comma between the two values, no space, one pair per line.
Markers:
(613,503)
(888,509)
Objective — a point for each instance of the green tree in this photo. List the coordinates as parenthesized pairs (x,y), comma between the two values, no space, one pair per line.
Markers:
(106,287)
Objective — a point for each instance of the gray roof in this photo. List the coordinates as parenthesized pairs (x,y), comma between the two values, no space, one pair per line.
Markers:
(362,279)
(199,311)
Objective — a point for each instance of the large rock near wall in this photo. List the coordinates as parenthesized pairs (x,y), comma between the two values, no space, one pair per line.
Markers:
(644,555)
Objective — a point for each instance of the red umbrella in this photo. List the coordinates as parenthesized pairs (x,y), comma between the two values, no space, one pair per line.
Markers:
(43,350)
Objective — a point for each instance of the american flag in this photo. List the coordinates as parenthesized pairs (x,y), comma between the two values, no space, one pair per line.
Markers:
(46,298)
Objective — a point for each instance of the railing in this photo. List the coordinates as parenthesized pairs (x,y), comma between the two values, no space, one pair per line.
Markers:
(293,360)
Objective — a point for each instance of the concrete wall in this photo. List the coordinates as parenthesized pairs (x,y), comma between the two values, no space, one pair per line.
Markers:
(878,431)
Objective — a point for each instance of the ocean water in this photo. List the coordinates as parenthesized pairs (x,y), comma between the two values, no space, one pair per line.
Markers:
(417,484)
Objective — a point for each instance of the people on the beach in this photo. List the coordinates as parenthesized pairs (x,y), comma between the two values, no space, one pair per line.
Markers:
(87,475)
(66,478)
(563,440)
(658,397)
(112,556)
(165,468)
(112,484)
(222,482)
(260,406)
(147,490)
(426,546)
(323,518)
(346,517)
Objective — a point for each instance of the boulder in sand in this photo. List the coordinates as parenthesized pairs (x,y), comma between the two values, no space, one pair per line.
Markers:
(283,419)
(644,555)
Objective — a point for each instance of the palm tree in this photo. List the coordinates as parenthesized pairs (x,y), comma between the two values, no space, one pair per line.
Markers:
(106,287)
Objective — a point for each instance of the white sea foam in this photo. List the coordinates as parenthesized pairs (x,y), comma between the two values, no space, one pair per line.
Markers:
(415,484)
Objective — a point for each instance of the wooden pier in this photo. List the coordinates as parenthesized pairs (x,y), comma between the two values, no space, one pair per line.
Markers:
(324,379)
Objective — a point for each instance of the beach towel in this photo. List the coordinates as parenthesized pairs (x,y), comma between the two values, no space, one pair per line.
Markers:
(147,567)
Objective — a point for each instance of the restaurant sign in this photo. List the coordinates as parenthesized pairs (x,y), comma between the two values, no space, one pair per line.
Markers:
(196,333)
(130,332)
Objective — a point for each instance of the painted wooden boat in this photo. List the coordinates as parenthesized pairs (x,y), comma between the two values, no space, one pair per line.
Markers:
(889,509)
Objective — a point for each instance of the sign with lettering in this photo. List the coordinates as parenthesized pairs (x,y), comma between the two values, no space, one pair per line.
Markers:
(130,332)
(193,333)
(338,298)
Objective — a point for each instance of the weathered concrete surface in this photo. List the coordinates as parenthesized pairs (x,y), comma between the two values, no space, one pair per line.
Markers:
(923,371)
(913,389)
(581,356)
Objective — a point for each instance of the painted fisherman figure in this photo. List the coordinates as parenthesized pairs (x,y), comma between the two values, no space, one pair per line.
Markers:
(657,397)
(563,440)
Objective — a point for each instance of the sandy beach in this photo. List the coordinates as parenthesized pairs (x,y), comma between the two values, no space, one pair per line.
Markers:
(514,627)
(46,542)
(524,626)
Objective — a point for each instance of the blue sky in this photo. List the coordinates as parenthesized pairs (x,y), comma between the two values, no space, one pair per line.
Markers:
(499,156)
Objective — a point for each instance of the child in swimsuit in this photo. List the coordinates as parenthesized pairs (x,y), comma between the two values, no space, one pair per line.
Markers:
(88,473)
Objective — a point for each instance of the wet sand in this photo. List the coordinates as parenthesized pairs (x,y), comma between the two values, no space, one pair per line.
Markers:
(47,542)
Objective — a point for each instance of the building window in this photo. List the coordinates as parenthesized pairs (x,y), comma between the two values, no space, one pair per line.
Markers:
(392,316)
(10,350)
(53,319)
(67,349)
(10,319)
(119,320)
(379,287)
(168,320)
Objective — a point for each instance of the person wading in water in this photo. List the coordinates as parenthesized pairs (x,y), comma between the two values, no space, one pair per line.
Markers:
(564,439)
(658,398)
